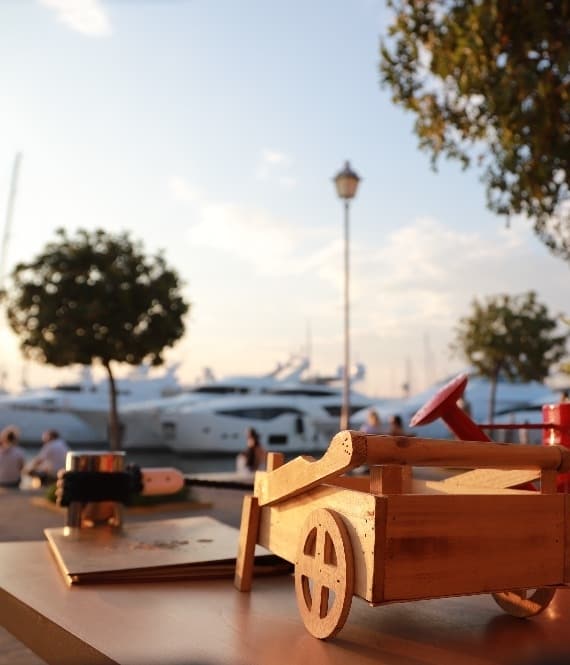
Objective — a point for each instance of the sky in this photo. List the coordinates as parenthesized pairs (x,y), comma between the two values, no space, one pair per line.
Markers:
(212,131)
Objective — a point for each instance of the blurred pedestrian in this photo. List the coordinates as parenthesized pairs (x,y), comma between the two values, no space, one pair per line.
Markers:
(396,427)
(253,457)
(50,459)
(12,457)
(373,424)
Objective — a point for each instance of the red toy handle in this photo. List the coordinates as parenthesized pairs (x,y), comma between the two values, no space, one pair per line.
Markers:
(444,405)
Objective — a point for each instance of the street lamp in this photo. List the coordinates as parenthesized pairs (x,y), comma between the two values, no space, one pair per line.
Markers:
(346,182)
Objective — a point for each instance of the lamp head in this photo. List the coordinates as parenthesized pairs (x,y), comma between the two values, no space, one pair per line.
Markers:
(346,182)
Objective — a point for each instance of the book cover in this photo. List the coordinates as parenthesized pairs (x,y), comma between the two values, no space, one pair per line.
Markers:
(175,549)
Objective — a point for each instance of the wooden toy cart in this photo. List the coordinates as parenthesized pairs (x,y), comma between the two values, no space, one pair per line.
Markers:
(388,537)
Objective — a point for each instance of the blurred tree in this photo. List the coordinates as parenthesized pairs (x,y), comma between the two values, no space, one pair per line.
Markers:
(509,336)
(96,297)
(490,80)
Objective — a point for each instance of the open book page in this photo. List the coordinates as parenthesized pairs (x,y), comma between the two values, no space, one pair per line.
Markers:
(186,548)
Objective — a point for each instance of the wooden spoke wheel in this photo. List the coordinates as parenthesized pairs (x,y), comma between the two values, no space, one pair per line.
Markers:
(324,573)
(525,602)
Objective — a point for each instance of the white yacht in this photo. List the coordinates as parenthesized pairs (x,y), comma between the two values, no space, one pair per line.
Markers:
(510,397)
(141,421)
(79,411)
(291,419)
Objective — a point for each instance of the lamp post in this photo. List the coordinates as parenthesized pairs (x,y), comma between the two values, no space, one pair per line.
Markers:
(346,182)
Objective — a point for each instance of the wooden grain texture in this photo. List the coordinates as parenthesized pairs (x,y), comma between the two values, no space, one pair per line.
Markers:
(548,482)
(358,483)
(346,451)
(55,644)
(379,551)
(246,545)
(274,461)
(420,486)
(443,545)
(390,479)
(493,478)
(324,573)
(567,538)
(280,524)
(199,623)
(416,451)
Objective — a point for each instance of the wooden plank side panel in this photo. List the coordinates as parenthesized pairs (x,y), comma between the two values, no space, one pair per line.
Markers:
(452,545)
(379,576)
(246,545)
(280,526)
(567,539)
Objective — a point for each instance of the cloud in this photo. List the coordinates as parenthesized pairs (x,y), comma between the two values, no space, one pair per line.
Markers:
(273,166)
(85,16)
(275,157)
(182,191)
(425,273)
(270,245)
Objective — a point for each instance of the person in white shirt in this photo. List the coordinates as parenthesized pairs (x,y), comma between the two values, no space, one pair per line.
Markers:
(50,459)
(12,458)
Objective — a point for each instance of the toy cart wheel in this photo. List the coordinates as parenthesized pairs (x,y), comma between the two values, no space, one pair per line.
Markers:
(525,602)
(324,573)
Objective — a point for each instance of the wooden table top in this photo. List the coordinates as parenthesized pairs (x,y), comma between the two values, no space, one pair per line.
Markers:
(210,623)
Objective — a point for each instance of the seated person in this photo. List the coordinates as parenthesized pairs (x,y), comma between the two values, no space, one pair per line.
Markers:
(50,459)
(12,458)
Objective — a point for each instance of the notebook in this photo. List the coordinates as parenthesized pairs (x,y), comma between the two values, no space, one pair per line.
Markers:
(176,549)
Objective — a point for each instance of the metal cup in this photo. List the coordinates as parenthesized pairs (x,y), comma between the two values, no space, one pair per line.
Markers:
(92,514)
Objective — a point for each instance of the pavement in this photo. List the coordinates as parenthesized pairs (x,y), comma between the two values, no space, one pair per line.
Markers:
(24,514)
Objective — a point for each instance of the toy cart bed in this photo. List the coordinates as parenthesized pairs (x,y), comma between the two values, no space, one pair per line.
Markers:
(388,537)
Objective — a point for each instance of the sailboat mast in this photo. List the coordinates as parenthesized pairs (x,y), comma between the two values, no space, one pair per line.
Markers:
(9,216)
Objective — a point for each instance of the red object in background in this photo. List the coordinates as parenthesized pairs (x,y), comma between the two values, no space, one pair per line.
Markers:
(444,405)
(557,415)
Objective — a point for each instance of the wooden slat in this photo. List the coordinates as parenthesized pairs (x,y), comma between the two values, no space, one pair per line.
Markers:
(567,538)
(548,482)
(438,487)
(280,525)
(390,479)
(247,541)
(346,451)
(379,553)
(274,461)
(465,454)
(493,478)
(349,449)
(439,545)
(358,483)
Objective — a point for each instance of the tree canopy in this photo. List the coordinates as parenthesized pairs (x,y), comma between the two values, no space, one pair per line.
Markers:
(94,297)
(489,80)
(509,336)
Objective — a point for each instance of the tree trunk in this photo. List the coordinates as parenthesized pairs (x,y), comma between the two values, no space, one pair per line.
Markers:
(493,395)
(114,429)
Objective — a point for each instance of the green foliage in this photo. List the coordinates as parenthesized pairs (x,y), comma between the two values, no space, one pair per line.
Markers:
(490,80)
(96,297)
(510,336)
(92,297)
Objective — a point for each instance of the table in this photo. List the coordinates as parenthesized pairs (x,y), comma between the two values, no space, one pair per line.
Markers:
(210,623)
